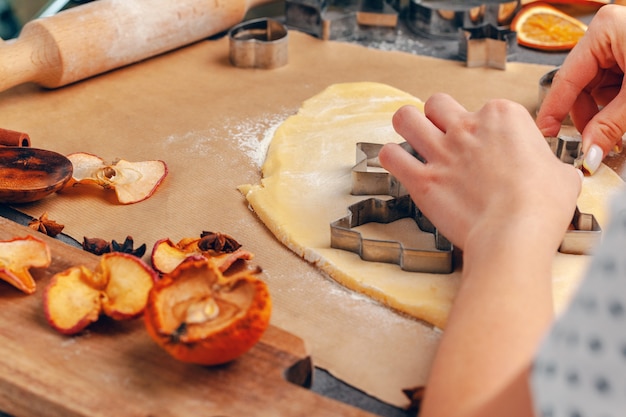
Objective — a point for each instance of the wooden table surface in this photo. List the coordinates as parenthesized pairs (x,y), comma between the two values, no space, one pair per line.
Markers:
(89,375)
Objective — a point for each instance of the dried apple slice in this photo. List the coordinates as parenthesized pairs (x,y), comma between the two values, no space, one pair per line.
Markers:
(132,181)
(70,303)
(200,316)
(167,255)
(17,256)
(126,291)
(118,288)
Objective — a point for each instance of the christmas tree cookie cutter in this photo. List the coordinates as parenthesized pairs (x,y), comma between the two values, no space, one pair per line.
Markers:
(369,178)
(433,257)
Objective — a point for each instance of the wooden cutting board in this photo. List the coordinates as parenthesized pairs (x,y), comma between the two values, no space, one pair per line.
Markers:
(115,369)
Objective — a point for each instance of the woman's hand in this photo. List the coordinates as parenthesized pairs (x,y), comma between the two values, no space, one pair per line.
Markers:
(590,87)
(484,171)
(492,186)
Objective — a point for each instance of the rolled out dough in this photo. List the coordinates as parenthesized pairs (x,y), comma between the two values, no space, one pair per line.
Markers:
(306,185)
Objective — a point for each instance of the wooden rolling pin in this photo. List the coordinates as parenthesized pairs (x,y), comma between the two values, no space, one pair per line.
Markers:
(106,34)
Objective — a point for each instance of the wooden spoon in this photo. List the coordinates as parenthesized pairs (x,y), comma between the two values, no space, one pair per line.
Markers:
(30,174)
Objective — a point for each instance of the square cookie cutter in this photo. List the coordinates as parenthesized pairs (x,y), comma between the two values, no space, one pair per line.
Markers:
(583,235)
(567,145)
(584,232)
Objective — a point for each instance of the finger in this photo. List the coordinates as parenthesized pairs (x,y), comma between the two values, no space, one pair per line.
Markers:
(443,111)
(417,130)
(577,72)
(608,87)
(584,109)
(402,165)
(558,102)
(607,127)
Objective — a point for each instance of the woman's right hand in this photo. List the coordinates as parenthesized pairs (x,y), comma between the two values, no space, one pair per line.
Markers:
(485,171)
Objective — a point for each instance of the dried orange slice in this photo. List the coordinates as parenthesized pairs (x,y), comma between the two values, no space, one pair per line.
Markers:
(541,26)
(591,3)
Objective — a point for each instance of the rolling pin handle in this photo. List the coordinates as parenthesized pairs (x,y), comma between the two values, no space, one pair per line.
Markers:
(28,58)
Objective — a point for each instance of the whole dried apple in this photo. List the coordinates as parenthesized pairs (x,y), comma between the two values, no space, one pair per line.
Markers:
(132,181)
(78,296)
(20,254)
(199,315)
(221,248)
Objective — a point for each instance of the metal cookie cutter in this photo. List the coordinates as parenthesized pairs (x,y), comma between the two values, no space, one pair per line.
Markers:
(259,43)
(583,235)
(442,19)
(487,45)
(320,19)
(377,13)
(545,84)
(343,19)
(370,178)
(584,232)
(434,257)
(567,144)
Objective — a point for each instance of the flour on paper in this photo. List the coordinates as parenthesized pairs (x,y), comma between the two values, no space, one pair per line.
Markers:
(251,136)
(306,185)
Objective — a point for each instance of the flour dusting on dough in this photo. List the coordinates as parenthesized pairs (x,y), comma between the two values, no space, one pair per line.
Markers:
(249,143)
(253,136)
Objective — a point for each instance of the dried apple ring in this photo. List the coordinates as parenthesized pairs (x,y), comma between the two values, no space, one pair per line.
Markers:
(198,315)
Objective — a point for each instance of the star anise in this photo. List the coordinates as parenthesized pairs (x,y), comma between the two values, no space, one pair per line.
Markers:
(44,225)
(100,246)
(219,242)
(128,247)
(96,245)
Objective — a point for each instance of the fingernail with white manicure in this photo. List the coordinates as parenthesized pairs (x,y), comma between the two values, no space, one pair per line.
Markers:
(593,159)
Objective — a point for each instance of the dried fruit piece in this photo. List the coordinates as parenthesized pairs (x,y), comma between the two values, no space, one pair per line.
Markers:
(132,181)
(96,245)
(78,296)
(20,254)
(222,248)
(70,304)
(198,315)
(46,226)
(541,26)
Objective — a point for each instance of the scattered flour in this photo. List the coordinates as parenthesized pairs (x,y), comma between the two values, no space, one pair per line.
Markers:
(251,136)
(400,43)
(249,140)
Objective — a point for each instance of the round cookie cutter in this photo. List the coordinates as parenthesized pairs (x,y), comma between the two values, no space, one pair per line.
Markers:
(259,43)
(545,83)
(442,19)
